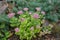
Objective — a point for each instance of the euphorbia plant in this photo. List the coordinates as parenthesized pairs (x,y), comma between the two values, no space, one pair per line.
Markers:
(27,24)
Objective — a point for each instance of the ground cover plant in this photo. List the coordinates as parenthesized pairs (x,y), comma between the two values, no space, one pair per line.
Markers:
(28,24)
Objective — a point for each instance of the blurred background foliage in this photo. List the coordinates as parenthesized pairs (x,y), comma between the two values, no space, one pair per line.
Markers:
(51,7)
(4,21)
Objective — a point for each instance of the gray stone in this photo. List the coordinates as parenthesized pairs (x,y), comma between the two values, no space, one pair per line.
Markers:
(3,8)
(1,4)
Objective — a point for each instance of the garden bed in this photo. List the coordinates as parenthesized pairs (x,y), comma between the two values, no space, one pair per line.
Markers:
(30,20)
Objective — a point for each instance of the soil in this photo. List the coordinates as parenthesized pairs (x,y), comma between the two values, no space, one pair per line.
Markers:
(14,37)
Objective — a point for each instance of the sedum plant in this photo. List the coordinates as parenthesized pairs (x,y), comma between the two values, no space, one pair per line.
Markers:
(28,24)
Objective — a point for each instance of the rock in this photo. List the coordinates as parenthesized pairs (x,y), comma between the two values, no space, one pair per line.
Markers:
(3,8)
(0,4)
